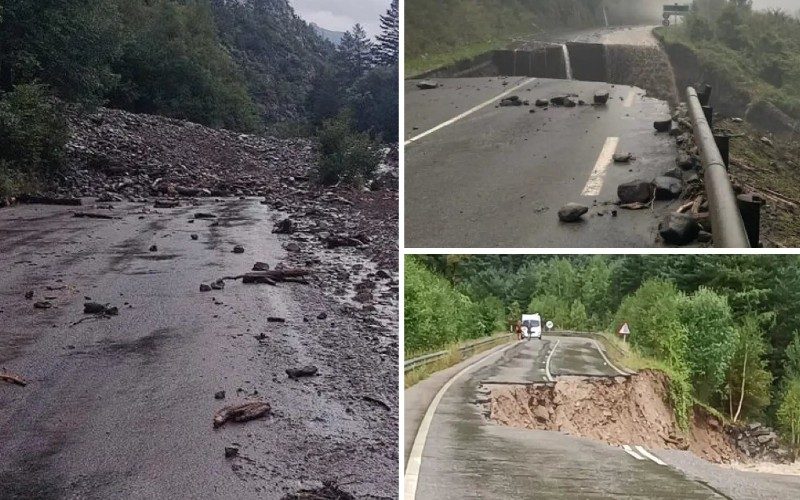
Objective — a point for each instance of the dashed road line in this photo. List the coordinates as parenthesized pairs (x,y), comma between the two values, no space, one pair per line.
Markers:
(632,453)
(411,477)
(650,455)
(468,112)
(547,363)
(595,183)
(629,100)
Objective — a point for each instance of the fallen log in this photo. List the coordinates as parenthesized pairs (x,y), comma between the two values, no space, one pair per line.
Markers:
(13,379)
(275,276)
(241,412)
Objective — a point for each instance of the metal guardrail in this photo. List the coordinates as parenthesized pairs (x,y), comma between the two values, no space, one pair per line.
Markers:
(726,219)
(465,350)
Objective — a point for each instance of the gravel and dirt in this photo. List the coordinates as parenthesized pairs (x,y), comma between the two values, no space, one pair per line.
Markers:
(123,404)
(617,410)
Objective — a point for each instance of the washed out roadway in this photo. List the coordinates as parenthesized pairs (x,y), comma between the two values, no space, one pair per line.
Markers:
(122,407)
(466,456)
(498,176)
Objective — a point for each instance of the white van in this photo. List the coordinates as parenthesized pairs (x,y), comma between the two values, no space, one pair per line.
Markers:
(531,326)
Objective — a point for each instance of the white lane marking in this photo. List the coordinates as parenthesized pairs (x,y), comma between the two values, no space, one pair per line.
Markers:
(629,100)
(415,458)
(547,363)
(467,113)
(632,453)
(597,346)
(595,182)
(650,455)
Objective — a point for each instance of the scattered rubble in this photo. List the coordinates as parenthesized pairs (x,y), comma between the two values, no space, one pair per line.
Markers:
(305,371)
(759,442)
(623,157)
(639,191)
(427,85)
(601,97)
(231,451)
(679,229)
(511,101)
(328,491)
(100,309)
(667,187)
(238,249)
(663,125)
(44,304)
(241,412)
(572,212)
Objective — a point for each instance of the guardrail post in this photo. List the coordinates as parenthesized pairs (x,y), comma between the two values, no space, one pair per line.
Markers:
(750,208)
(705,95)
(708,111)
(724,144)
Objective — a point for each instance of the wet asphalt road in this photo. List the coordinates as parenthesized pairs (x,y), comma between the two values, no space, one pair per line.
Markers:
(122,407)
(465,456)
(497,177)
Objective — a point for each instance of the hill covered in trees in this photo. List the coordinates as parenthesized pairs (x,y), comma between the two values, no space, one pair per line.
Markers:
(244,65)
(725,328)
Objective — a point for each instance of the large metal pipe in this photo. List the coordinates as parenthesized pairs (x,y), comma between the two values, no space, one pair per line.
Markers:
(726,220)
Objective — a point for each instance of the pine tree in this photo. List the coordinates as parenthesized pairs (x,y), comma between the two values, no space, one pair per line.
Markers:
(387,49)
(355,52)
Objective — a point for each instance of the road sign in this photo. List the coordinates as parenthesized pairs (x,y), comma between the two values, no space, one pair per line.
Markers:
(549,325)
(624,331)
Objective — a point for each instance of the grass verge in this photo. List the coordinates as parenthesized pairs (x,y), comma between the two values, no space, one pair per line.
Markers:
(452,358)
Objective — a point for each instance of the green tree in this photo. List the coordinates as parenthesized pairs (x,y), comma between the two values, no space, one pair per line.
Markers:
(748,379)
(789,414)
(711,337)
(792,364)
(345,155)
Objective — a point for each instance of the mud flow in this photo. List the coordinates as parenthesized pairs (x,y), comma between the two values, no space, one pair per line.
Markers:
(617,410)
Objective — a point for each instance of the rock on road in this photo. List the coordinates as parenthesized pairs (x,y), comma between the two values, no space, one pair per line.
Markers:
(122,407)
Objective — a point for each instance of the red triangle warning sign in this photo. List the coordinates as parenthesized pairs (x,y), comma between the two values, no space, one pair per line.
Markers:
(624,329)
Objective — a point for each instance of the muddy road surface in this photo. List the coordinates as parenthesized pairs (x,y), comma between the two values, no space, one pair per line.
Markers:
(121,406)
(461,453)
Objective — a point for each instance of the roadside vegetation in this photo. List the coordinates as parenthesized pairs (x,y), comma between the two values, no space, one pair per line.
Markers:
(249,66)
(726,330)
(440,33)
(757,52)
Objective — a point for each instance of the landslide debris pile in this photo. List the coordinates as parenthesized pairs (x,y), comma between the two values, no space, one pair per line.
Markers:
(119,156)
(132,156)
(646,67)
(619,410)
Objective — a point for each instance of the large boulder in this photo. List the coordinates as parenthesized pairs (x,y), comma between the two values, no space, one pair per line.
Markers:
(572,212)
(636,192)
(667,187)
(679,229)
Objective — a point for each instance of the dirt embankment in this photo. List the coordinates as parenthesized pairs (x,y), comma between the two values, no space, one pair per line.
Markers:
(619,410)
(646,67)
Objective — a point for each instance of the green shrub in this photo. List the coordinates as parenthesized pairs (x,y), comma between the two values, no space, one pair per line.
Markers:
(346,155)
(33,132)
(789,413)
(749,381)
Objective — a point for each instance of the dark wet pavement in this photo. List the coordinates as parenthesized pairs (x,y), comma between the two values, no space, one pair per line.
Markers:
(497,177)
(122,406)
(467,457)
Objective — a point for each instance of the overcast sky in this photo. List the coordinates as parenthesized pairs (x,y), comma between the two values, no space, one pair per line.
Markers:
(790,6)
(341,15)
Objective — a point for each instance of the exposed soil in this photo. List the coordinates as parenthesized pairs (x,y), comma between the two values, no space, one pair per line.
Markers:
(646,67)
(619,410)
